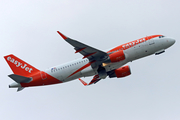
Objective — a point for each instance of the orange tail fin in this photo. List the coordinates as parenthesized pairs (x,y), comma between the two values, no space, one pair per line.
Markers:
(20,67)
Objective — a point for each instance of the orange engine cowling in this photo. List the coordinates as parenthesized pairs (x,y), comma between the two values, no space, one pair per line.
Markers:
(117,56)
(121,72)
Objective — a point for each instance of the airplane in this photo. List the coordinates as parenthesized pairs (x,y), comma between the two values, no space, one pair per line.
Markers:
(95,62)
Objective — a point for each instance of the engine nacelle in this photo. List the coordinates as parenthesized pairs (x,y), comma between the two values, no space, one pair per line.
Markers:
(121,72)
(117,56)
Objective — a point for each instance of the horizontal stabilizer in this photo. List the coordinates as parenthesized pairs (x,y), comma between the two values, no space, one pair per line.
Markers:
(20,79)
(20,88)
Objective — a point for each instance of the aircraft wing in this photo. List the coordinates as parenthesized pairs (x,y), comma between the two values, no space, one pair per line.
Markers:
(93,81)
(89,52)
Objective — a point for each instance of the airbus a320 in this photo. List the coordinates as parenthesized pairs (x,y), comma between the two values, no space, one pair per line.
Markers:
(95,62)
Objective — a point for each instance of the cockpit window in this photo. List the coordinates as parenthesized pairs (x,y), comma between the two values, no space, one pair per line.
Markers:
(161,36)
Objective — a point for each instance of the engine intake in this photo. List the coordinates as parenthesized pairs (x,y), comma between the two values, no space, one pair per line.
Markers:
(117,56)
(120,72)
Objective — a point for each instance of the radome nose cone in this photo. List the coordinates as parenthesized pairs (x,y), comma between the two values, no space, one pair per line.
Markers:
(173,41)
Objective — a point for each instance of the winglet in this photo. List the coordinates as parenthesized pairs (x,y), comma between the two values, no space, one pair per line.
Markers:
(63,36)
(84,83)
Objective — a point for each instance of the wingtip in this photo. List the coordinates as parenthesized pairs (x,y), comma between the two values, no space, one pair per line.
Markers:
(63,36)
(84,83)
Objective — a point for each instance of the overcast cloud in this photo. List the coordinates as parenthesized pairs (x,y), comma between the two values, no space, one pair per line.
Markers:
(28,30)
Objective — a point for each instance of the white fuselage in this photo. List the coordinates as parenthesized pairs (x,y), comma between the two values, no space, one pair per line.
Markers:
(80,68)
(96,63)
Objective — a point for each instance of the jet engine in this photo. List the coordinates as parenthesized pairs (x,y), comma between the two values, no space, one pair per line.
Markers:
(120,72)
(117,56)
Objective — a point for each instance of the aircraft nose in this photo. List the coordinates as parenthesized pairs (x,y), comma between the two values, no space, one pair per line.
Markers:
(172,41)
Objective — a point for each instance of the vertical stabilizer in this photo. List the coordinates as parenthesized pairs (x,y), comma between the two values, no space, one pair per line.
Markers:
(19,67)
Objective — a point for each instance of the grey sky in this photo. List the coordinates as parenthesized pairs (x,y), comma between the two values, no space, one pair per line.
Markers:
(28,30)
